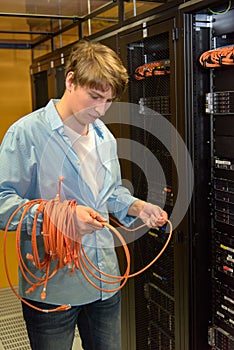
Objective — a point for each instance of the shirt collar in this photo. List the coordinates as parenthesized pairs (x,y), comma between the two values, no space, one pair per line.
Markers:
(98,126)
(52,115)
(57,123)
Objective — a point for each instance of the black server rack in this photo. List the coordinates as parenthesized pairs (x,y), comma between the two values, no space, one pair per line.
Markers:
(59,81)
(150,88)
(160,312)
(47,77)
(219,104)
(176,301)
(197,38)
(209,65)
(40,89)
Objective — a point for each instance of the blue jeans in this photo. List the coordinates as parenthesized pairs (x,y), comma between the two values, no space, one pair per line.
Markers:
(99,325)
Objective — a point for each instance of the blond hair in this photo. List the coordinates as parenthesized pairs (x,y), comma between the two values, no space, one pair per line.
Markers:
(97,66)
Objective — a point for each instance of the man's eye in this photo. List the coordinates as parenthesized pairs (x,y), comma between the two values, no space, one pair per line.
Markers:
(95,97)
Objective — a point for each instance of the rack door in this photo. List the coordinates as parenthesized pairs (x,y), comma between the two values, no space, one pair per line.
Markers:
(149,54)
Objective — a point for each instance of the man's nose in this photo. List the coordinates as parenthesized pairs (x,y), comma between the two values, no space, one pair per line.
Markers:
(101,109)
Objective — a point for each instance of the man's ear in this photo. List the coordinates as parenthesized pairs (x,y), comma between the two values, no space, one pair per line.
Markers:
(69,80)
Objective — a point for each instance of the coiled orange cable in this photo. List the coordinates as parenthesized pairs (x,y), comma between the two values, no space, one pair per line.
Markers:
(151,69)
(217,57)
(63,244)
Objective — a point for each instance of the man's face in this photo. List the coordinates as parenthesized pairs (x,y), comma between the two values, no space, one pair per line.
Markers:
(88,104)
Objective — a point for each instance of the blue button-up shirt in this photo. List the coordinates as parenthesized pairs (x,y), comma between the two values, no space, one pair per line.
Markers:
(34,153)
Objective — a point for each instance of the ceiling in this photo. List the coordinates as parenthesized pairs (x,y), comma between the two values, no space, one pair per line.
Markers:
(29,22)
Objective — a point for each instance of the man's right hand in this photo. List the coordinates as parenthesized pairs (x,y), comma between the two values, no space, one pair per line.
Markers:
(87,220)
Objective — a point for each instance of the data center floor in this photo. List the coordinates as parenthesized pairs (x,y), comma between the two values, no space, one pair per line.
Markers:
(13,334)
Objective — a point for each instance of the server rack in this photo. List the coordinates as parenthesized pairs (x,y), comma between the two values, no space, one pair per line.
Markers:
(47,77)
(197,34)
(160,294)
(211,89)
(177,309)
(219,106)
(40,89)
(209,111)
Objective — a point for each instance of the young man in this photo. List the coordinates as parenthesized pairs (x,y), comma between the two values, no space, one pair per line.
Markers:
(67,138)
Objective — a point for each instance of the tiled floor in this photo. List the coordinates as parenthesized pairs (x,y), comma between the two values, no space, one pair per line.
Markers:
(13,335)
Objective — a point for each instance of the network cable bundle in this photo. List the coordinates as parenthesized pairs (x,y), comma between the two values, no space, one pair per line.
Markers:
(63,244)
(223,56)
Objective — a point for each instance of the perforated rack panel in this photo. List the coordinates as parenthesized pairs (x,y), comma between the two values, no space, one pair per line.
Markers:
(155,288)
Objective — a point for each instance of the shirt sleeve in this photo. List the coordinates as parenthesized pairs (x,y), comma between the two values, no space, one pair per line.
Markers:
(16,173)
(119,203)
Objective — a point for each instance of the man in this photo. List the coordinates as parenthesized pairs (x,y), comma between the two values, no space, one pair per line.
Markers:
(68,139)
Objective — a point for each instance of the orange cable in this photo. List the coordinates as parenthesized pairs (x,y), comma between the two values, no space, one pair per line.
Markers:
(217,57)
(68,251)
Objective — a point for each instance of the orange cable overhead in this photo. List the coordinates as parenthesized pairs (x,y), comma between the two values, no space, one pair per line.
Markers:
(223,56)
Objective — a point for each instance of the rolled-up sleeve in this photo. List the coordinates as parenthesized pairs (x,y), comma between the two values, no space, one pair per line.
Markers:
(119,203)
